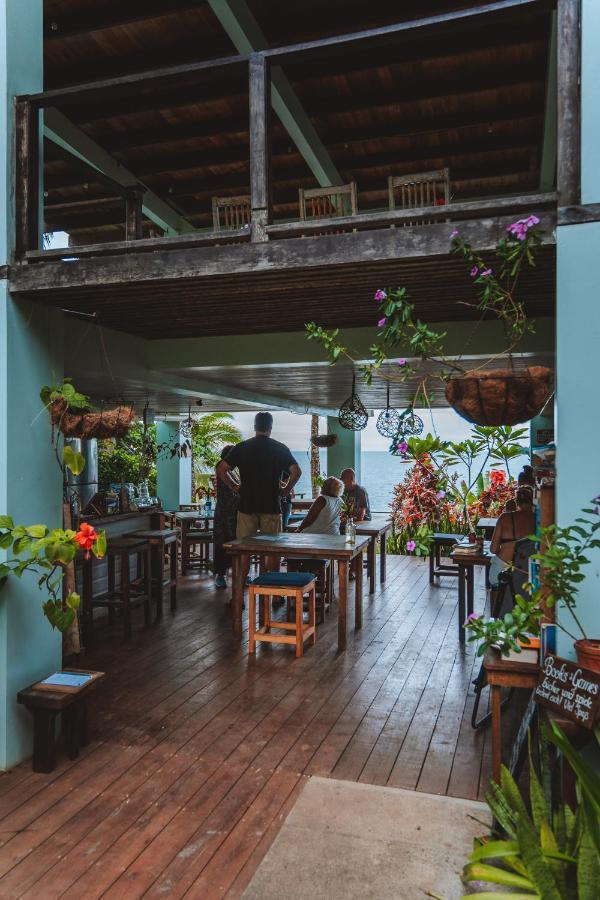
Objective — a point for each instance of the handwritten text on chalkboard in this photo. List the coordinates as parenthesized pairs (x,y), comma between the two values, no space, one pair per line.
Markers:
(569,690)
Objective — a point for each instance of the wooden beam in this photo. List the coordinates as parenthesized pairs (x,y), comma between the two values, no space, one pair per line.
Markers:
(27,138)
(133,214)
(576,215)
(247,36)
(548,160)
(294,254)
(260,146)
(115,15)
(568,176)
(59,129)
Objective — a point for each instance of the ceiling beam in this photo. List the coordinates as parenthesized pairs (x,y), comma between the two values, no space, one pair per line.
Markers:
(248,37)
(59,129)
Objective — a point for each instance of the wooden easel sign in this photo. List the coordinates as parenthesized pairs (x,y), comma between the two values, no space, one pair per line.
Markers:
(569,690)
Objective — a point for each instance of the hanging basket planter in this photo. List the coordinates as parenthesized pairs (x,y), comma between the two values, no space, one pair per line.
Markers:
(352,414)
(107,423)
(500,396)
(324,440)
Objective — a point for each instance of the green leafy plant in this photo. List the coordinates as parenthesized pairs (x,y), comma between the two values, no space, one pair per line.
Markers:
(47,553)
(130,459)
(505,634)
(67,393)
(210,433)
(546,851)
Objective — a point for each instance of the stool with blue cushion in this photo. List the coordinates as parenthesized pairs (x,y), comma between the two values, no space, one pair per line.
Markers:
(282,584)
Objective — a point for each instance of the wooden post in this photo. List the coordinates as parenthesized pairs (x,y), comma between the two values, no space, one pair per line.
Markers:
(27,135)
(260,145)
(315,458)
(568,179)
(133,213)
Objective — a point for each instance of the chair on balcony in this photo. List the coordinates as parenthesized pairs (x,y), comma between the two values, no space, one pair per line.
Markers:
(328,202)
(231,213)
(419,190)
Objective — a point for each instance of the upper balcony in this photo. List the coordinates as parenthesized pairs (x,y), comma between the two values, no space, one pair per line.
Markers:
(264,187)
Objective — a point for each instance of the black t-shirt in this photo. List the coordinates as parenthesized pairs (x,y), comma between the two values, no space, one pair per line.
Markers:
(261,462)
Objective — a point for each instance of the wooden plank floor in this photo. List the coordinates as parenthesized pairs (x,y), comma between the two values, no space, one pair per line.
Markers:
(198,752)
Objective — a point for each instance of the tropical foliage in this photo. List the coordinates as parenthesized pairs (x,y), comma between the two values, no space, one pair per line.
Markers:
(130,459)
(210,434)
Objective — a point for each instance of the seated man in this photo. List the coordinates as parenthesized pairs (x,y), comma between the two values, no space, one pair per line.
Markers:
(355,497)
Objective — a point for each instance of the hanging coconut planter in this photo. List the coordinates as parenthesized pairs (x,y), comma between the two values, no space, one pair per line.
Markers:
(388,420)
(106,423)
(324,440)
(352,414)
(500,396)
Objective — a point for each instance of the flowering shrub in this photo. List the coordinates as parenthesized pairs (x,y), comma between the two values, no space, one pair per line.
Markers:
(417,510)
(48,553)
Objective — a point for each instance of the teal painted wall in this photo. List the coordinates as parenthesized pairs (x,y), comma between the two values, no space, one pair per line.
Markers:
(590,101)
(346,453)
(173,476)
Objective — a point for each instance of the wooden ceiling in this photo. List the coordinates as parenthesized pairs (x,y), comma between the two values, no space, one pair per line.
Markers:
(470,98)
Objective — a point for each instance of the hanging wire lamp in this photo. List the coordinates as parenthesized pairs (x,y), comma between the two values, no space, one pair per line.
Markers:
(410,424)
(388,420)
(187,425)
(352,414)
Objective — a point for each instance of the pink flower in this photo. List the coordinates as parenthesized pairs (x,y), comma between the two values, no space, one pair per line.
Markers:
(454,234)
(380,295)
(474,271)
(520,228)
(401,362)
(440,495)
(402,446)
(410,546)
(381,323)
(472,617)
(486,272)
(530,221)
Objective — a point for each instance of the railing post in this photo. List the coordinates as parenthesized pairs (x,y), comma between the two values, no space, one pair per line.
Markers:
(133,213)
(27,137)
(568,169)
(260,145)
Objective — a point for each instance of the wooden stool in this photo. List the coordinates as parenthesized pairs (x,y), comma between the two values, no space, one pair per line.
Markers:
(282,584)
(324,586)
(439,540)
(195,549)
(163,543)
(129,594)
(45,705)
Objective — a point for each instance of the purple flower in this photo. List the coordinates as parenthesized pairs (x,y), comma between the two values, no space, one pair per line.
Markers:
(520,228)
(472,617)
(381,323)
(410,546)
(440,495)
(486,272)
(401,362)
(530,221)
(380,295)
(402,446)
(454,234)
(474,271)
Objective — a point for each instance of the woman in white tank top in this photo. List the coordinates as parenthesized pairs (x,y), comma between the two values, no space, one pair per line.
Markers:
(324,515)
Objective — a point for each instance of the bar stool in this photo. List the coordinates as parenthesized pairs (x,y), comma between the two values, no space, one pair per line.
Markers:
(439,540)
(163,545)
(282,584)
(324,586)
(195,548)
(129,593)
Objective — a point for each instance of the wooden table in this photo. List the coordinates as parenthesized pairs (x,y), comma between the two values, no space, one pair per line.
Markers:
(301,505)
(315,546)
(466,582)
(376,529)
(501,673)
(488,523)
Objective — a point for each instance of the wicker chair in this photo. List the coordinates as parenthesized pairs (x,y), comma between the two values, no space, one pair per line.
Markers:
(419,190)
(231,213)
(328,202)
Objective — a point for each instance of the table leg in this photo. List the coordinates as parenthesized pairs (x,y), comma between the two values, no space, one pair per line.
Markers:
(358,591)
(343,600)
(238,568)
(461,602)
(470,589)
(496,692)
(382,558)
(44,723)
(371,559)
(173,575)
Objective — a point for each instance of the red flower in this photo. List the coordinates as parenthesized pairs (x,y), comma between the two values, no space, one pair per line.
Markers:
(497,477)
(85,538)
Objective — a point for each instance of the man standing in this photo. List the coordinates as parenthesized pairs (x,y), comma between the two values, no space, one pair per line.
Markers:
(261,462)
(355,497)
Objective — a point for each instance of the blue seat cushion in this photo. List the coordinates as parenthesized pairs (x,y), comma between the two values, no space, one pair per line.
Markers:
(284,579)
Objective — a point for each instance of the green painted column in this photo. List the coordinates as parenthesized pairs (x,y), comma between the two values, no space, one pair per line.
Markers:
(31,355)
(345,454)
(173,475)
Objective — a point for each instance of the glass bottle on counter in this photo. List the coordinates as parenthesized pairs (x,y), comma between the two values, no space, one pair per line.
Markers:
(350,531)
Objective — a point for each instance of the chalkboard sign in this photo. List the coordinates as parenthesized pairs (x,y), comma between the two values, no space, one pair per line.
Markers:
(572,692)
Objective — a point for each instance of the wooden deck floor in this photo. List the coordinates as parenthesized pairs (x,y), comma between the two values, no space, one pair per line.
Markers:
(198,752)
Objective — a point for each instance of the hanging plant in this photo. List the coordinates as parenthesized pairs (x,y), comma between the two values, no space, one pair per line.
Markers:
(388,421)
(324,440)
(352,414)
(499,396)
(71,413)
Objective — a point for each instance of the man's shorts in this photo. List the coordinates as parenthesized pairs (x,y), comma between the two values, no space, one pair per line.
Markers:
(249,523)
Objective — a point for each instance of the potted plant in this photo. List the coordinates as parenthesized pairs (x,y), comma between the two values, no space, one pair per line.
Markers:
(482,396)
(48,553)
(561,558)
(71,413)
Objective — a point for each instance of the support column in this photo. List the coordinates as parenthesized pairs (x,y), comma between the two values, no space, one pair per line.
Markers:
(31,355)
(346,453)
(578,337)
(173,476)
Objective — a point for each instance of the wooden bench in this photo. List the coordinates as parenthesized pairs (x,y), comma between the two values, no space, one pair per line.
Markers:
(45,705)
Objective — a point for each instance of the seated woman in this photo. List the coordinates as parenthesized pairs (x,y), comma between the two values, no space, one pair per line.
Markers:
(510,528)
(324,515)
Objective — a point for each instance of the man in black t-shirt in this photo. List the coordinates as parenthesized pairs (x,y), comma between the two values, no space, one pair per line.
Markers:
(261,462)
